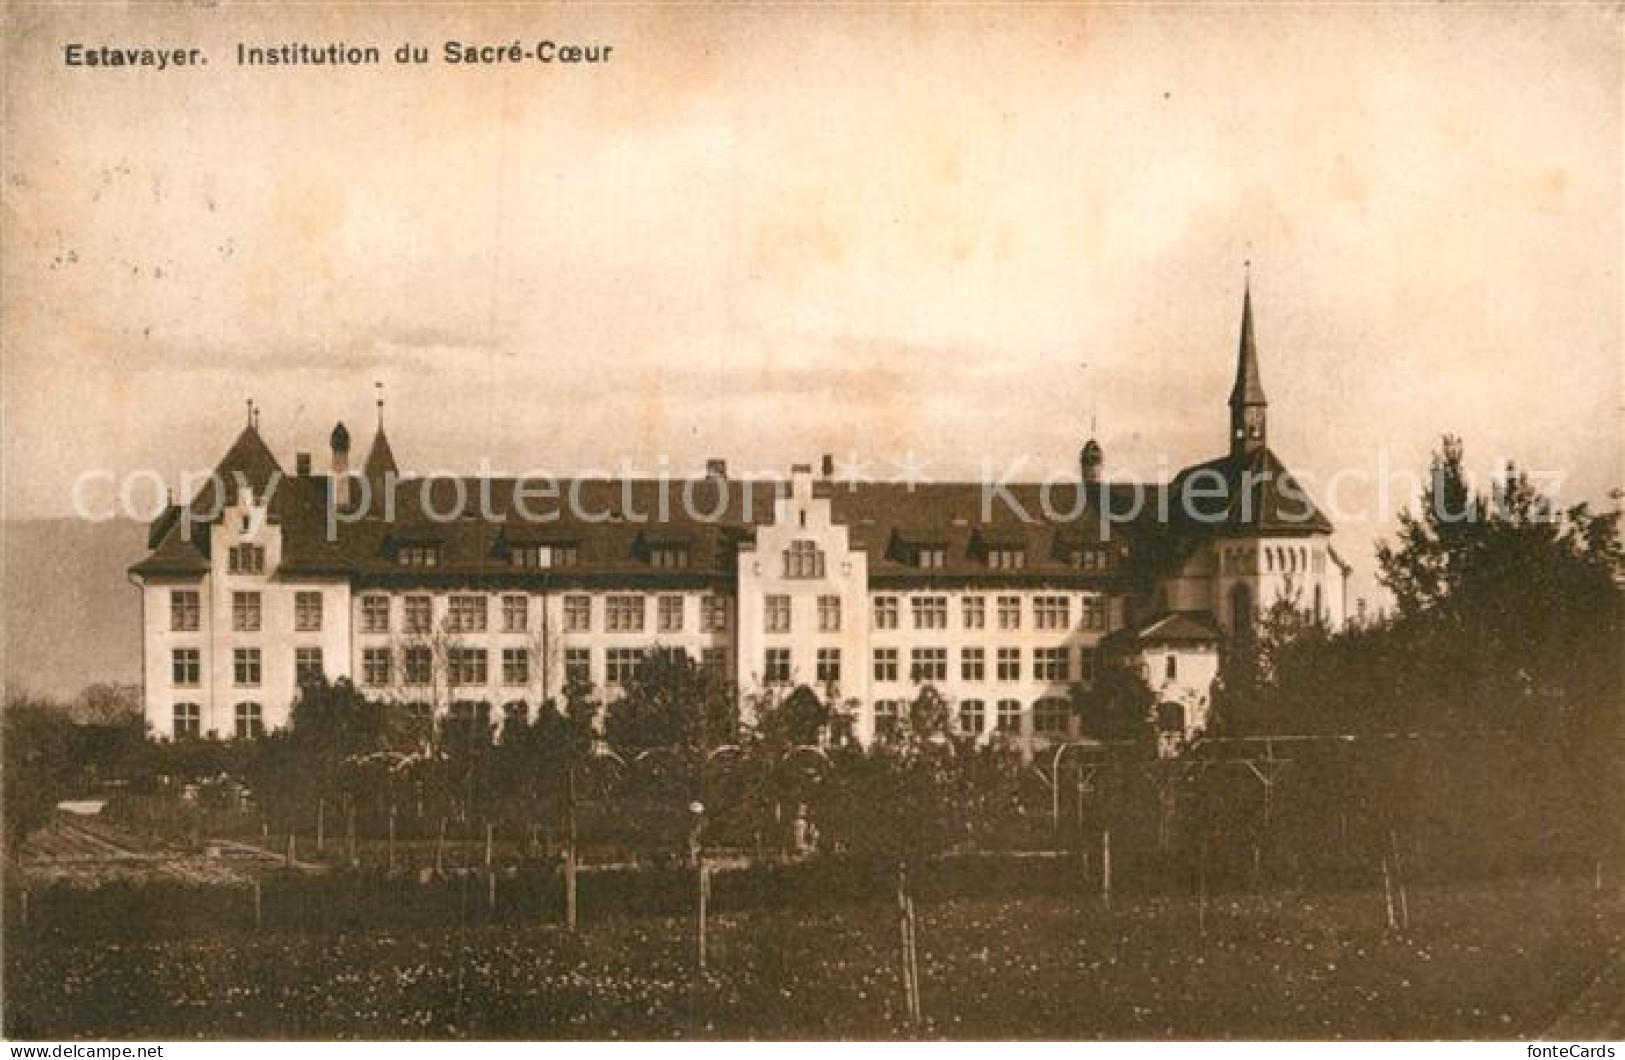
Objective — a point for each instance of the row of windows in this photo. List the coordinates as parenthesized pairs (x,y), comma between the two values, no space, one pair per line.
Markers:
(186,609)
(249,721)
(470,666)
(247,666)
(1050,716)
(1273,559)
(930,665)
(1049,612)
(623,613)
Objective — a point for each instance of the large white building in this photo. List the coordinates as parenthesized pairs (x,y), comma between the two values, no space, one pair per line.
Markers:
(435,592)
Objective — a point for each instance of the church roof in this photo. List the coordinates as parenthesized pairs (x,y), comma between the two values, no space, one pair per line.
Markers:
(1247,493)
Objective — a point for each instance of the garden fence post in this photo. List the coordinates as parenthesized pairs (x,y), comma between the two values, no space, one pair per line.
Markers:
(1106,867)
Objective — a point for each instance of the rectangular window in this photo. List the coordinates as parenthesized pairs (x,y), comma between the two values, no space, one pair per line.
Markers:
(1170,667)
(188,721)
(671,614)
(307,611)
(245,559)
(972,716)
(714,614)
(930,612)
(885,612)
(1009,664)
(1086,665)
(418,663)
(542,556)
(418,555)
(974,612)
(972,664)
(829,614)
(1009,717)
(621,664)
(932,557)
(927,665)
(624,614)
(307,665)
(466,666)
(375,666)
(184,610)
(888,719)
(1050,716)
(1051,664)
(714,660)
(245,666)
(1094,612)
(777,613)
(669,557)
(515,613)
(578,666)
(1006,558)
(245,612)
(466,614)
(885,664)
(803,559)
(185,667)
(1009,612)
(375,614)
(577,614)
(250,721)
(419,614)
(515,666)
(829,666)
(776,666)
(1052,612)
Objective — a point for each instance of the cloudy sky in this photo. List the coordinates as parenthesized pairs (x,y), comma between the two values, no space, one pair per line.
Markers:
(769,234)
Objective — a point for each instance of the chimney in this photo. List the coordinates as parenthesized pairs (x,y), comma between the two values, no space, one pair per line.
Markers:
(716,469)
(341,463)
(301,464)
(829,466)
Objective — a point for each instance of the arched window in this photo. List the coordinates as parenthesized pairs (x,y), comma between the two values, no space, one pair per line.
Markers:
(1269,560)
(1241,608)
(188,721)
(250,721)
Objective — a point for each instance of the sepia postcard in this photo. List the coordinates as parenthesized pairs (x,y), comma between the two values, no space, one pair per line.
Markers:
(945,522)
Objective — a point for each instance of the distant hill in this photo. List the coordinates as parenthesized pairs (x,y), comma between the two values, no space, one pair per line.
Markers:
(69,616)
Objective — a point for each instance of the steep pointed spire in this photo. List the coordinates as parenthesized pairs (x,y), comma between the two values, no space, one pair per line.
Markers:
(1248,406)
(380,458)
(1249,388)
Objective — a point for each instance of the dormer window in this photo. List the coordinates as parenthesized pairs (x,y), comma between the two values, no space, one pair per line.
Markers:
(669,557)
(931,557)
(1091,559)
(1006,558)
(803,559)
(418,555)
(246,559)
(541,557)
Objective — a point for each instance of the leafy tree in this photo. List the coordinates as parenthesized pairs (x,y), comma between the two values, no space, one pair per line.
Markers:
(40,743)
(1117,705)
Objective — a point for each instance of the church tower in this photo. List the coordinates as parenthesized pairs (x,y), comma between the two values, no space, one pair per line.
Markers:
(1248,407)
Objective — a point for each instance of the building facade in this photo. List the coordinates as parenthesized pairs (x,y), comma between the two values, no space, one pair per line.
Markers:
(1006,599)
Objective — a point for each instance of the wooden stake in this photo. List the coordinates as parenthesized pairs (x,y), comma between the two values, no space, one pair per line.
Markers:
(702,880)
(258,919)
(288,861)
(391,837)
(1106,867)
(1399,881)
(349,831)
(490,874)
(25,907)
(570,849)
(321,825)
(1388,895)
(440,849)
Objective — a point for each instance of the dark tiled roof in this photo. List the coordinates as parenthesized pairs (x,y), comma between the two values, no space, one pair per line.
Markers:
(1252,493)
(616,525)
(1178,627)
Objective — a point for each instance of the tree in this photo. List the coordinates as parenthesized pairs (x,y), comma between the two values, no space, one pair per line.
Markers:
(40,744)
(1117,705)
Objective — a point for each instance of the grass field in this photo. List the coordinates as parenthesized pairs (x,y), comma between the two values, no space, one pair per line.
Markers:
(1499,960)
